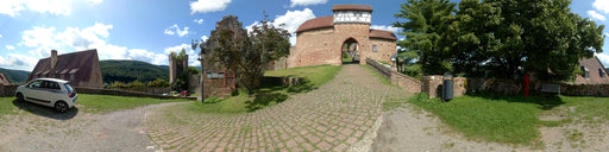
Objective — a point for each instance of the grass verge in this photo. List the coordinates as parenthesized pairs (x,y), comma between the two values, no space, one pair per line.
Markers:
(267,95)
(106,103)
(378,75)
(509,119)
(6,105)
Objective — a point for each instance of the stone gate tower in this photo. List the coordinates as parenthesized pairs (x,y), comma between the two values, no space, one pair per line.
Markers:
(324,40)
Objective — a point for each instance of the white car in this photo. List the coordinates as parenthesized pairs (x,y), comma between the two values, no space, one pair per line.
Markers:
(49,92)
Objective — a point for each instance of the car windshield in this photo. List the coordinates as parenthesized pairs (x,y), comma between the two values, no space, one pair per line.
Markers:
(69,88)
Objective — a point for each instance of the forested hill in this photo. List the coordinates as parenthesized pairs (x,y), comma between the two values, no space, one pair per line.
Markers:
(15,76)
(128,71)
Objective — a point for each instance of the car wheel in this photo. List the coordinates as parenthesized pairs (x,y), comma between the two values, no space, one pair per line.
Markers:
(61,106)
(20,97)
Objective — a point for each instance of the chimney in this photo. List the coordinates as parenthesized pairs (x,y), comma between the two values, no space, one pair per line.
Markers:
(53,58)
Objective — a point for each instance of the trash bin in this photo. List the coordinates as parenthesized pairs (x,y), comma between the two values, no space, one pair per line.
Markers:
(447,91)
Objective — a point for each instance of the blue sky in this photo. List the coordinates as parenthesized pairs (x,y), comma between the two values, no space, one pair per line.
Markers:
(147,30)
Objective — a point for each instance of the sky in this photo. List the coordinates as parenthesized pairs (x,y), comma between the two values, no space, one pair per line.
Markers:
(148,30)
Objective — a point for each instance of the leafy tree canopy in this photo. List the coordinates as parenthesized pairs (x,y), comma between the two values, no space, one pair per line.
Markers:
(499,38)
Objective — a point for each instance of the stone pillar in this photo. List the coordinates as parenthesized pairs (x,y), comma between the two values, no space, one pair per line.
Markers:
(172,69)
(53,63)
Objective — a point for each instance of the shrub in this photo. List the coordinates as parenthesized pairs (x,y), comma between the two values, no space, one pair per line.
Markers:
(158,83)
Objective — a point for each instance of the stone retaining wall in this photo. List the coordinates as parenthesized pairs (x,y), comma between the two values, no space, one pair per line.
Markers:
(599,90)
(126,93)
(410,84)
(432,85)
(8,90)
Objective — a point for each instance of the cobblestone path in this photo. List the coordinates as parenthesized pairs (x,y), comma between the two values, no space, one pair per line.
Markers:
(340,115)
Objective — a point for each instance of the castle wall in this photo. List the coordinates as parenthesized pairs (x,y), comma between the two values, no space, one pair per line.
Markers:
(323,46)
(384,49)
(313,48)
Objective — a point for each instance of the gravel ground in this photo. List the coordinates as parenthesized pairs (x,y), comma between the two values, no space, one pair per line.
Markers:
(38,128)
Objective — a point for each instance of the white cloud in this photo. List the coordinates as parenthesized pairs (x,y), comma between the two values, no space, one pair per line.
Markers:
(306,2)
(18,61)
(0,35)
(145,55)
(604,58)
(385,28)
(55,7)
(38,42)
(289,21)
(192,55)
(204,6)
(10,47)
(250,28)
(601,5)
(596,15)
(204,38)
(11,7)
(175,30)
(199,21)
(607,34)
(96,1)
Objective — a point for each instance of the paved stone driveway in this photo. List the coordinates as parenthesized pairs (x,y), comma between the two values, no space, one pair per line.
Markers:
(339,116)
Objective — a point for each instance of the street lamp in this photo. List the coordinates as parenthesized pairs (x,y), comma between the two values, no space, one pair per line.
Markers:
(202,45)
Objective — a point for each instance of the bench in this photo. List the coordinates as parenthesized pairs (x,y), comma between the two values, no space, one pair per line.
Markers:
(550,88)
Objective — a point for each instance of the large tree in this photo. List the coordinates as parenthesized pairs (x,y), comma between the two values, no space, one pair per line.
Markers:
(427,21)
(504,38)
(230,46)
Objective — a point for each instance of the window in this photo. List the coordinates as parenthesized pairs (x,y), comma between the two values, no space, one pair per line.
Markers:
(50,85)
(586,72)
(373,48)
(71,77)
(35,84)
(601,73)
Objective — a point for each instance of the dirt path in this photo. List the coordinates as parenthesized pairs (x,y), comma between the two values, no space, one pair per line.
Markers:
(341,115)
(45,130)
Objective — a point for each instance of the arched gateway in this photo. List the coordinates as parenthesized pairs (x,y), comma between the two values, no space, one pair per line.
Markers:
(326,40)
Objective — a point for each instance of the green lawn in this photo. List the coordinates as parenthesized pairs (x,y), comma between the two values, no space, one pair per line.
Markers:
(94,103)
(377,74)
(104,103)
(510,119)
(347,58)
(6,105)
(268,95)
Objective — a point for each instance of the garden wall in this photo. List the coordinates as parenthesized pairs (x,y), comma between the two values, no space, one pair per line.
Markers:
(432,85)
(410,84)
(126,93)
(600,90)
(8,90)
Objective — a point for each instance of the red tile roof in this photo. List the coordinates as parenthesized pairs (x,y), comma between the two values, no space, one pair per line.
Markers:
(382,34)
(316,23)
(352,8)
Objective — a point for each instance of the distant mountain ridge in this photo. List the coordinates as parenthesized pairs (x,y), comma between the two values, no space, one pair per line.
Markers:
(112,70)
(15,76)
(130,70)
